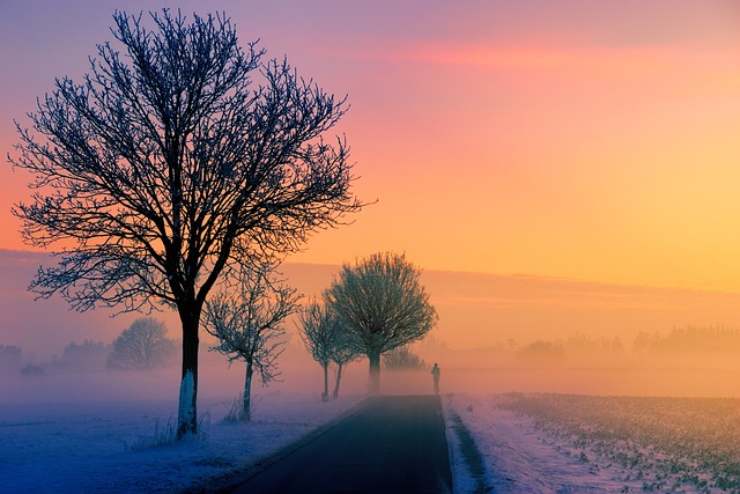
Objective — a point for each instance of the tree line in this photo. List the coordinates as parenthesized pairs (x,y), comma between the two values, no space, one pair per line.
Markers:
(373,306)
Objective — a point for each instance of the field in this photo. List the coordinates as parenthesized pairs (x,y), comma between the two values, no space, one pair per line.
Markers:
(606,444)
(120,446)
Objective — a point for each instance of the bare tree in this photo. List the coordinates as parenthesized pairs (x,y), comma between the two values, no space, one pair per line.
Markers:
(319,330)
(249,325)
(168,166)
(382,304)
(342,351)
(143,345)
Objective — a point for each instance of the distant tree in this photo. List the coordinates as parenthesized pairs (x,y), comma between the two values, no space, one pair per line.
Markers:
(381,302)
(542,353)
(143,345)
(168,166)
(249,325)
(402,358)
(10,357)
(86,356)
(319,331)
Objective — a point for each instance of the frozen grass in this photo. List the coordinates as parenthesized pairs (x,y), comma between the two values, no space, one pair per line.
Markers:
(667,444)
(129,447)
(518,457)
(543,443)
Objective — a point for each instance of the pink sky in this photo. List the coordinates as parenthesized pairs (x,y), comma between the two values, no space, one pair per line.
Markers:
(587,140)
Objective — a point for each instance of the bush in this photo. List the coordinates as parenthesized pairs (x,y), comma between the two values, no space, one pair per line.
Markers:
(10,357)
(403,359)
(31,370)
(86,356)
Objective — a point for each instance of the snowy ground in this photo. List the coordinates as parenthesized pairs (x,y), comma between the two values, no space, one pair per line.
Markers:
(112,447)
(519,458)
(580,444)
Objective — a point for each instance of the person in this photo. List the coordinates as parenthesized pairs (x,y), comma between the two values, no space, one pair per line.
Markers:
(435,376)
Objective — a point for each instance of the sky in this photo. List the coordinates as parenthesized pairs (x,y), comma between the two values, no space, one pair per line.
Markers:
(586,140)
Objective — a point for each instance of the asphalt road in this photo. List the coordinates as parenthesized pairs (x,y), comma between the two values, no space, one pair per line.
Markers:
(393,444)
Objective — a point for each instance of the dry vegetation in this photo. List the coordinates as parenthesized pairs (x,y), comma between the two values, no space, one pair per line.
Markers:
(670,444)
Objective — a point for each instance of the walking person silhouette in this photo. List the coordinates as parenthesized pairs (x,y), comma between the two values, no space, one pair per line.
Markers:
(435,376)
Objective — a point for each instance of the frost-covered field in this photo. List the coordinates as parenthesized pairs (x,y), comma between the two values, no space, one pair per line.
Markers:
(113,447)
(561,443)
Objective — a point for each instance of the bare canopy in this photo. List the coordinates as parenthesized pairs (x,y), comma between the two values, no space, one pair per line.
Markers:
(172,163)
(248,323)
(321,332)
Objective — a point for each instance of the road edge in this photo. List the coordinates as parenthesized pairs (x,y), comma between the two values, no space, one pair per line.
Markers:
(228,481)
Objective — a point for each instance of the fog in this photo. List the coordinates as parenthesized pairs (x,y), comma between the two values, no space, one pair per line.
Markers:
(495,334)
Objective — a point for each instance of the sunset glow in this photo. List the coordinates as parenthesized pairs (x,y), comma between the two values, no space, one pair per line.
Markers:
(595,143)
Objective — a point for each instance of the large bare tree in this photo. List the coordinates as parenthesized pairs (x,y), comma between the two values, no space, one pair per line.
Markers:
(248,324)
(381,302)
(171,163)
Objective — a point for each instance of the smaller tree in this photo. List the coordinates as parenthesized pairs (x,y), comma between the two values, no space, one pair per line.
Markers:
(249,326)
(319,331)
(342,352)
(144,345)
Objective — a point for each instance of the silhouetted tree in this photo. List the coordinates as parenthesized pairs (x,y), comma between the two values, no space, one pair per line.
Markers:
(249,325)
(319,331)
(143,345)
(168,166)
(382,304)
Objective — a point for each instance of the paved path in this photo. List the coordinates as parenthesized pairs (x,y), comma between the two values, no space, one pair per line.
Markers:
(392,444)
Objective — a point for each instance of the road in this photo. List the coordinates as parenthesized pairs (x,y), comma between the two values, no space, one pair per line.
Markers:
(393,444)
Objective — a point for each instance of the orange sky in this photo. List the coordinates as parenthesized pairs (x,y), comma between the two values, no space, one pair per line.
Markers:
(589,140)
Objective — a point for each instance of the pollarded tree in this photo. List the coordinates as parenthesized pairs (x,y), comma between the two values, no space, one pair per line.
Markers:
(381,302)
(173,162)
(249,325)
(143,345)
(319,331)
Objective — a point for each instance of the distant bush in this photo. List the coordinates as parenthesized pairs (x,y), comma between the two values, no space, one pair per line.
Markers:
(403,359)
(10,357)
(694,340)
(31,370)
(542,352)
(144,345)
(86,356)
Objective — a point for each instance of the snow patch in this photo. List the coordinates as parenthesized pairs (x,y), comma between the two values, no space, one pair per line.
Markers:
(111,447)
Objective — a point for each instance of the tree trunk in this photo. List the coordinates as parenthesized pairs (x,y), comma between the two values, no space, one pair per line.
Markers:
(187,418)
(325,394)
(339,379)
(247,405)
(374,359)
